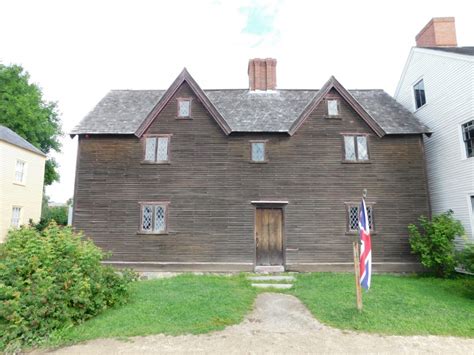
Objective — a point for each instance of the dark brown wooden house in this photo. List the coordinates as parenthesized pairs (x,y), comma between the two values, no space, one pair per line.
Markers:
(221,180)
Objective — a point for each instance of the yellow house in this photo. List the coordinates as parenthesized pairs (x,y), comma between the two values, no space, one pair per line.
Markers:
(21,181)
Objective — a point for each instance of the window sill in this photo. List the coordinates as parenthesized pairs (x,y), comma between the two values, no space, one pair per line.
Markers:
(152,233)
(419,108)
(356,162)
(145,162)
(258,162)
(18,183)
(357,233)
(184,118)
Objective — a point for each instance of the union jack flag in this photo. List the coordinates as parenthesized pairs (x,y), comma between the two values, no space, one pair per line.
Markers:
(365,247)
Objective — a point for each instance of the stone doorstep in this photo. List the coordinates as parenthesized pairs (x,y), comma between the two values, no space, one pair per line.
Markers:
(279,286)
(265,268)
(271,278)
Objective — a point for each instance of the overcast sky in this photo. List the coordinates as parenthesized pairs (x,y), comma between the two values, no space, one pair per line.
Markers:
(79,50)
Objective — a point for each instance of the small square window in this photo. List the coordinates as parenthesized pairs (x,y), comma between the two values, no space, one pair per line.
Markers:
(157,149)
(419,91)
(333,108)
(16,213)
(356,148)
(353,217)
(184,108)
(258,152)
(468,138)
(154,217)
(20,170)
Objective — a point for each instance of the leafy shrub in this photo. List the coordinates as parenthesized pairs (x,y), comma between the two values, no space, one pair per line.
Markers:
(50,280)
(57,214)
(435,242)
(465,257)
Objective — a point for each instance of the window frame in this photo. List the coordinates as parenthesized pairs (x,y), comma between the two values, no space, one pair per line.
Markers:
(23,173)
(178,101)
(354,136)
(463,142)
(163,204)
(371,205)
(156,136)
(265,155)
(327,99)
(414,94)
(19,216)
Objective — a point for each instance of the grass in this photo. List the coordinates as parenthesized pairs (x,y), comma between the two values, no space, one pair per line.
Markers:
(403,305)
(182,304)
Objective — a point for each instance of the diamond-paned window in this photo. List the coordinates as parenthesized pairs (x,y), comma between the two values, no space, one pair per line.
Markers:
(184,108)
(154,217)
(258,151)
(356,148)
(333,108)
(353,218)
(468,138)
(157,149)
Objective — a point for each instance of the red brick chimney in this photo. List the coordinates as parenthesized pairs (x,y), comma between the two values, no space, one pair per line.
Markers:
(262,74)
(439,32)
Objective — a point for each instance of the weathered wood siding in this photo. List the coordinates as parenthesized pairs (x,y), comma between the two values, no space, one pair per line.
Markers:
(210,184)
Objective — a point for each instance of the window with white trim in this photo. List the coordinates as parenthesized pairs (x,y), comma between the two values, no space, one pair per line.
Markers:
(154,217)
(419,92)
(468,138)
(20,171)
(356,148)
(333,107)
(184,108)
(258,152)
(157,149)
(16,214)
(353,217)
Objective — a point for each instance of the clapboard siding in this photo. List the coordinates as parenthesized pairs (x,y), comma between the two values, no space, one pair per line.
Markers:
(449,85)
(210,184)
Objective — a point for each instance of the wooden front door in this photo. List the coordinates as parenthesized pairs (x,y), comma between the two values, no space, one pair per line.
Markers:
(269,236)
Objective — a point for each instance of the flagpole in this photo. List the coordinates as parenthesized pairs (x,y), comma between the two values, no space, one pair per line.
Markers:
(355,245)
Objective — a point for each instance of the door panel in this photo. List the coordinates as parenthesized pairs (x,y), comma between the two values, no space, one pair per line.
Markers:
(269,236)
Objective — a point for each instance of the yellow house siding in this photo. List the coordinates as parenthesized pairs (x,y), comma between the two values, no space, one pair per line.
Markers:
(27,195)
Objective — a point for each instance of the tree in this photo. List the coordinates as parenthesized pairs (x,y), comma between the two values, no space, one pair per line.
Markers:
(24,110)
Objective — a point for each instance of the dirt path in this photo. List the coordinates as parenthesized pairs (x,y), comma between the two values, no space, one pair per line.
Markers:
(278,324)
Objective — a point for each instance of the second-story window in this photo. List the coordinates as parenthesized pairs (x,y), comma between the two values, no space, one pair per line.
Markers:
(20,171)
(333,108)
(157,149)
(419,91)
(355,148)
(184,108)
(468,138)
(257,154)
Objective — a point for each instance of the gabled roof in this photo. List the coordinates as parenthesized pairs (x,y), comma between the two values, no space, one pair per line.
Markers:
(184,76)
(242,110)
(456,50)
(7,135)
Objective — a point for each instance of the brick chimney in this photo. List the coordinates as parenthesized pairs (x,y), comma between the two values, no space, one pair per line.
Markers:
(439,32)
(262,74)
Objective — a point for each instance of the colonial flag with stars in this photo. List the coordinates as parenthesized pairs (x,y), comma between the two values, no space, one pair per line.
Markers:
(365,247)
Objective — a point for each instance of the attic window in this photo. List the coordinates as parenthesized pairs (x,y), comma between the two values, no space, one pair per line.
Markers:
(184,108)
(419,91)
(333,108)
(157,149)
(257,154)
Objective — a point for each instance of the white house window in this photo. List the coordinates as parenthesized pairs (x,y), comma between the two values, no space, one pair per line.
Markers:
(154,217)
(468,138)
(353,217)
(258,152)
(16,213)
(333,107)
(419,91)
(184,108)
(20,171)
(157,149)
(355,148)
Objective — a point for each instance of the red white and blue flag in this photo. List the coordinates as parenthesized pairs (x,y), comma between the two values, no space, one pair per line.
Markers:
(365,247)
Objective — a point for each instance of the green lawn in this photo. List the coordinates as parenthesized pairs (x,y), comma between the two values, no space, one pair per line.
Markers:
(182,304)
(404,305)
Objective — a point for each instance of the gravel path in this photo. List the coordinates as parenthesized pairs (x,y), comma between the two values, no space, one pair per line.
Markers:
(278,324)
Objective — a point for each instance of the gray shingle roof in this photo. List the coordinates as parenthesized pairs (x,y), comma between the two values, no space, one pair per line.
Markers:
(457,50)
(7,135)
(122,111)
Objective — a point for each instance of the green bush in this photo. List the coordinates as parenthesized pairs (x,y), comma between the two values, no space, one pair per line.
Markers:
(50,280)
(465,257)
(49,214)
(434,244)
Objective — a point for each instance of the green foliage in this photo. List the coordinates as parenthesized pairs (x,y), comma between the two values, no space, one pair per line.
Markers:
(57,214)
(24,110)
(51,280)
(434,242)
(402,305)
(465,257)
